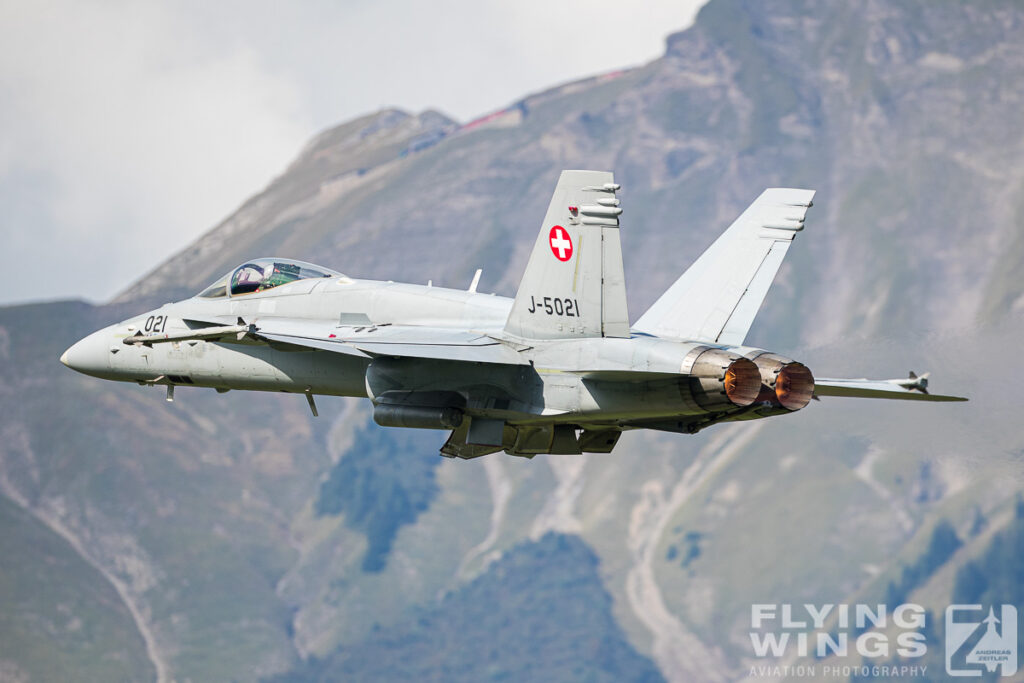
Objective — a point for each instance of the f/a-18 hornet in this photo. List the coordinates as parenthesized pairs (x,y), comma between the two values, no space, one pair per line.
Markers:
(557,369)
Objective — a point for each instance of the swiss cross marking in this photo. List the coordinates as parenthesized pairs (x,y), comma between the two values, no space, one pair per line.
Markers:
(561,243)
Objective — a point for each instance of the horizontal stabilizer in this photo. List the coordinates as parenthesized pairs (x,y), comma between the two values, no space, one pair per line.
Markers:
(875,388)
(717,298)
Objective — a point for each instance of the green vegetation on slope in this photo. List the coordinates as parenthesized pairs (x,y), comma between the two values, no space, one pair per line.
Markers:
(994,578)
(384,481)
(60,620)
(179,501)
(943,543)
(539,613)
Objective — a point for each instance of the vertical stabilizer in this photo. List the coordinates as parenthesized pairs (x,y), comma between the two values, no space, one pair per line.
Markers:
(574,284)
(717,298)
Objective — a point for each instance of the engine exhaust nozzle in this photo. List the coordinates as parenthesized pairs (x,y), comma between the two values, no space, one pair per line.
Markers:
(724,380)
(794,386)
(742,382)
(787,383)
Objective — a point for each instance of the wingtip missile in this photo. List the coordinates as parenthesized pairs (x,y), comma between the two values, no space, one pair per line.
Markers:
(914,382)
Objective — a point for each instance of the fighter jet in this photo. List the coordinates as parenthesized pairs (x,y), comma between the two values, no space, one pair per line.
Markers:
(558,369)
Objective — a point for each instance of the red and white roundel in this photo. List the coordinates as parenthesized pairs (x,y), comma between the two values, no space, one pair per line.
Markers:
(561,243)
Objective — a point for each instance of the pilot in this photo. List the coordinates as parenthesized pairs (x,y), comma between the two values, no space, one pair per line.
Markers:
(248,279)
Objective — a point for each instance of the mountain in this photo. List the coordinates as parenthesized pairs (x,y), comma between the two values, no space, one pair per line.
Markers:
(235,537)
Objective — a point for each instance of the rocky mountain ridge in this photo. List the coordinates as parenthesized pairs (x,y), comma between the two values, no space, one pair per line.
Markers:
(235,538)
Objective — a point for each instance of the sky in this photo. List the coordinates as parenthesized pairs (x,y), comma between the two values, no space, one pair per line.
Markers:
(128,129)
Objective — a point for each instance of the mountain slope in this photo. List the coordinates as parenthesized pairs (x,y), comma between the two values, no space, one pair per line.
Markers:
(219,516)
(555,624)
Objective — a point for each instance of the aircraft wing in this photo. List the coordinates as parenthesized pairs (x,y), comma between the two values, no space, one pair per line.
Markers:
(875,388)
(409,341)
(363,340)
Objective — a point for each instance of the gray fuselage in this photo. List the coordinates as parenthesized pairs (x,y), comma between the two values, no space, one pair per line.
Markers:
(545,387)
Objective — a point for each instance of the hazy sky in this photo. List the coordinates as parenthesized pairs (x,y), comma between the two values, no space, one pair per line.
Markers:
(127,129)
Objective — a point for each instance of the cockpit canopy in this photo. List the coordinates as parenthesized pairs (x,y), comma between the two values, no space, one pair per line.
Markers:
(263,274)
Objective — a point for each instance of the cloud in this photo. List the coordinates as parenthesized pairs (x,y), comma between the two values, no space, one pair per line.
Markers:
(123,137)
(129,128)
(463,56)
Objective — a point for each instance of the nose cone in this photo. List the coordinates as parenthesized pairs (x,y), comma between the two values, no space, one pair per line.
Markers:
(90,356)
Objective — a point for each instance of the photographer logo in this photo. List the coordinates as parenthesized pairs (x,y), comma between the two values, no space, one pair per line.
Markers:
(970,655)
